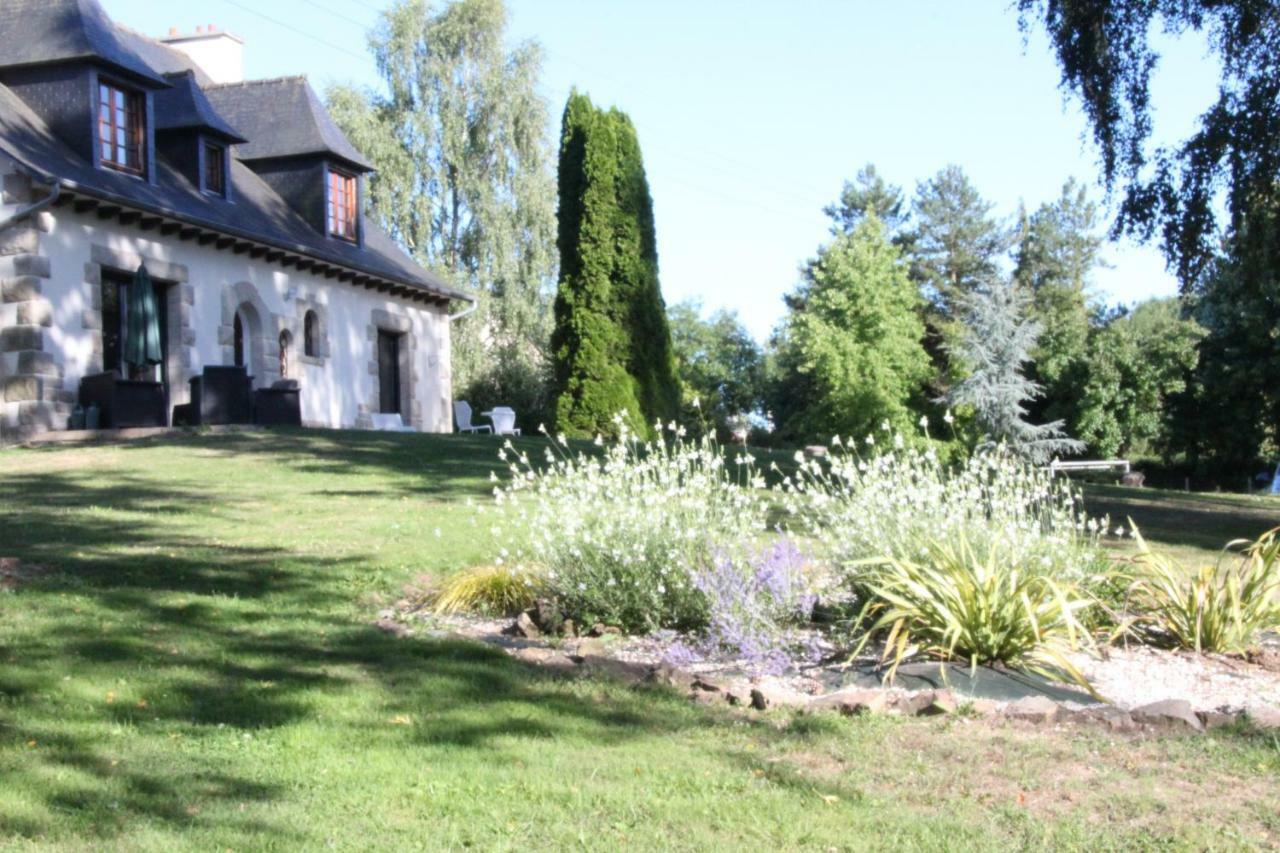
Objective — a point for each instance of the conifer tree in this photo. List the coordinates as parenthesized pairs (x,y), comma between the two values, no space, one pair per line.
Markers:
(611,345)
(997,339)
(849,355)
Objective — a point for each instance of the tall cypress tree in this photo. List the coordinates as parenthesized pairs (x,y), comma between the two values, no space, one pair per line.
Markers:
(611,344)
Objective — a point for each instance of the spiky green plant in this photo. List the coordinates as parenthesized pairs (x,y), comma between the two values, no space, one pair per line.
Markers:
(498,590)
(977,604)
(1217,607)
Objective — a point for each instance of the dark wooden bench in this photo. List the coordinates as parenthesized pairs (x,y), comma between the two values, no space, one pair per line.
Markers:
(124,403)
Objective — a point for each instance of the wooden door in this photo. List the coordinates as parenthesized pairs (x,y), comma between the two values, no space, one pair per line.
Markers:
(388,372)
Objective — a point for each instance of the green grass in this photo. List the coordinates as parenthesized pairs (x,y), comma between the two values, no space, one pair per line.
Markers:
(1193,527)
(196,669)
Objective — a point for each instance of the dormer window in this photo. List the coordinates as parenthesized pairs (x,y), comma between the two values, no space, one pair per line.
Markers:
(122,128)
(343,205)
(213,175)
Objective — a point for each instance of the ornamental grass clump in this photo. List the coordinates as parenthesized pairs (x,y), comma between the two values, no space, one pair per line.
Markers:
(857,505)
(1218,607)
(616,533)
(502,590)
(978,603)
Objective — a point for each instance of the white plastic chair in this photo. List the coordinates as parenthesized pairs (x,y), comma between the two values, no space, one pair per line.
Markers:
(504,420)
(462,414)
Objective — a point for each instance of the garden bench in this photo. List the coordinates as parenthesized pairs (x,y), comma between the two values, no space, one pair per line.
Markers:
(1121,465)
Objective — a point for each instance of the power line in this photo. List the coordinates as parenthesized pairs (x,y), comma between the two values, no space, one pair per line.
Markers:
(337,14)
(294,29)
(716,159)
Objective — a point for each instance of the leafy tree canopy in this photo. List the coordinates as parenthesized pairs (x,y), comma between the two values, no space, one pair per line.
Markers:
(464,179)
(1138,361)
(1213,197)
(1106,54)
(1059,248)
(849,356)
(721,366)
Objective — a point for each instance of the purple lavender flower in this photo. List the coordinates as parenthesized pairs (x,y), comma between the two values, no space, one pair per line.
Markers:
(752,597)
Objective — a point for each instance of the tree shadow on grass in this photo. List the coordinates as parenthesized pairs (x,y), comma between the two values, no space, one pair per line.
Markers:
(153,636)
(1188,520)
(424,464)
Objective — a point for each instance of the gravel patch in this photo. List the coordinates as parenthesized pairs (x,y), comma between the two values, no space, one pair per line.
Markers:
(1139,675)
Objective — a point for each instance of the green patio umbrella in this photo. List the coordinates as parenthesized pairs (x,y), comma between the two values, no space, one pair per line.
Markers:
(142,332)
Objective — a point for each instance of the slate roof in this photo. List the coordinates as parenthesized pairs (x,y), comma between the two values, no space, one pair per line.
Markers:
(184,106)
(257,213)
(257,107)
(160,57)
(41,32)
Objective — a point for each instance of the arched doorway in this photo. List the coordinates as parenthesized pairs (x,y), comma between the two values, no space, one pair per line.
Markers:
(248,346)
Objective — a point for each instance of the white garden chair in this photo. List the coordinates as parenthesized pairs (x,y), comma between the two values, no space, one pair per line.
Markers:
(462,414)
(504,420)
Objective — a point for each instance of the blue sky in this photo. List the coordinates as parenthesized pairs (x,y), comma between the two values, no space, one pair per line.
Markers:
(752,114)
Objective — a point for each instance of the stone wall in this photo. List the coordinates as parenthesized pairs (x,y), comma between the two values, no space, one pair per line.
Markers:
(33,396)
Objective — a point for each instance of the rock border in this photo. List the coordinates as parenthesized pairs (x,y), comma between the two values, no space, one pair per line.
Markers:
(589,655)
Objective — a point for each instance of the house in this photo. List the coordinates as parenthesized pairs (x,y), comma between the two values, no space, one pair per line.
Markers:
(242,200)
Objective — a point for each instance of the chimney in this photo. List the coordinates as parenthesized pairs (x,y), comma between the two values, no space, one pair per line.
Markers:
(219,54)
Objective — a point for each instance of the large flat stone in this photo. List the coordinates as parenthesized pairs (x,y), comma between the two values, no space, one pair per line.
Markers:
(36,265)
(1264,716)
(1168,713)
(618,669)
(19,338)
(37,363)
(1104,716)
(765,697)
(20,288)
(21,388)
(36,312)
(1033,709)
(851,701)
(19,240)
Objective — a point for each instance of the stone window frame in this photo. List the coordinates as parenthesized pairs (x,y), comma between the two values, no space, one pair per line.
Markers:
(181,346)
(262,336)
(322,332)
(401,324)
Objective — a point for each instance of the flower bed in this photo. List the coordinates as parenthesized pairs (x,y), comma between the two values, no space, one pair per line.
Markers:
(987,560)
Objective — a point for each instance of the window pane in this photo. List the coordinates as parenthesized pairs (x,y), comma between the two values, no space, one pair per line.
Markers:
(121,129)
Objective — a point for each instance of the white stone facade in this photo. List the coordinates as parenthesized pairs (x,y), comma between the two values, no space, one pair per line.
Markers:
(50,320)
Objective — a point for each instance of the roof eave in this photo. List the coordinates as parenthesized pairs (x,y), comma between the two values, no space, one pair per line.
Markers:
(440,292)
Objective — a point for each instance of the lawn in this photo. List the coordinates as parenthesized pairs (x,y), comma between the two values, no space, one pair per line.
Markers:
(1194,526)
(195,667)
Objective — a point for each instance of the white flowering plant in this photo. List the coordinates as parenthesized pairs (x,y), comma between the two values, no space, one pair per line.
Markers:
(863,502)
(616,533)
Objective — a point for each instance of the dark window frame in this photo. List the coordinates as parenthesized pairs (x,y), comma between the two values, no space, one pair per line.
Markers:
(311,334)
(121,112)
(214,168)
(342,205)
